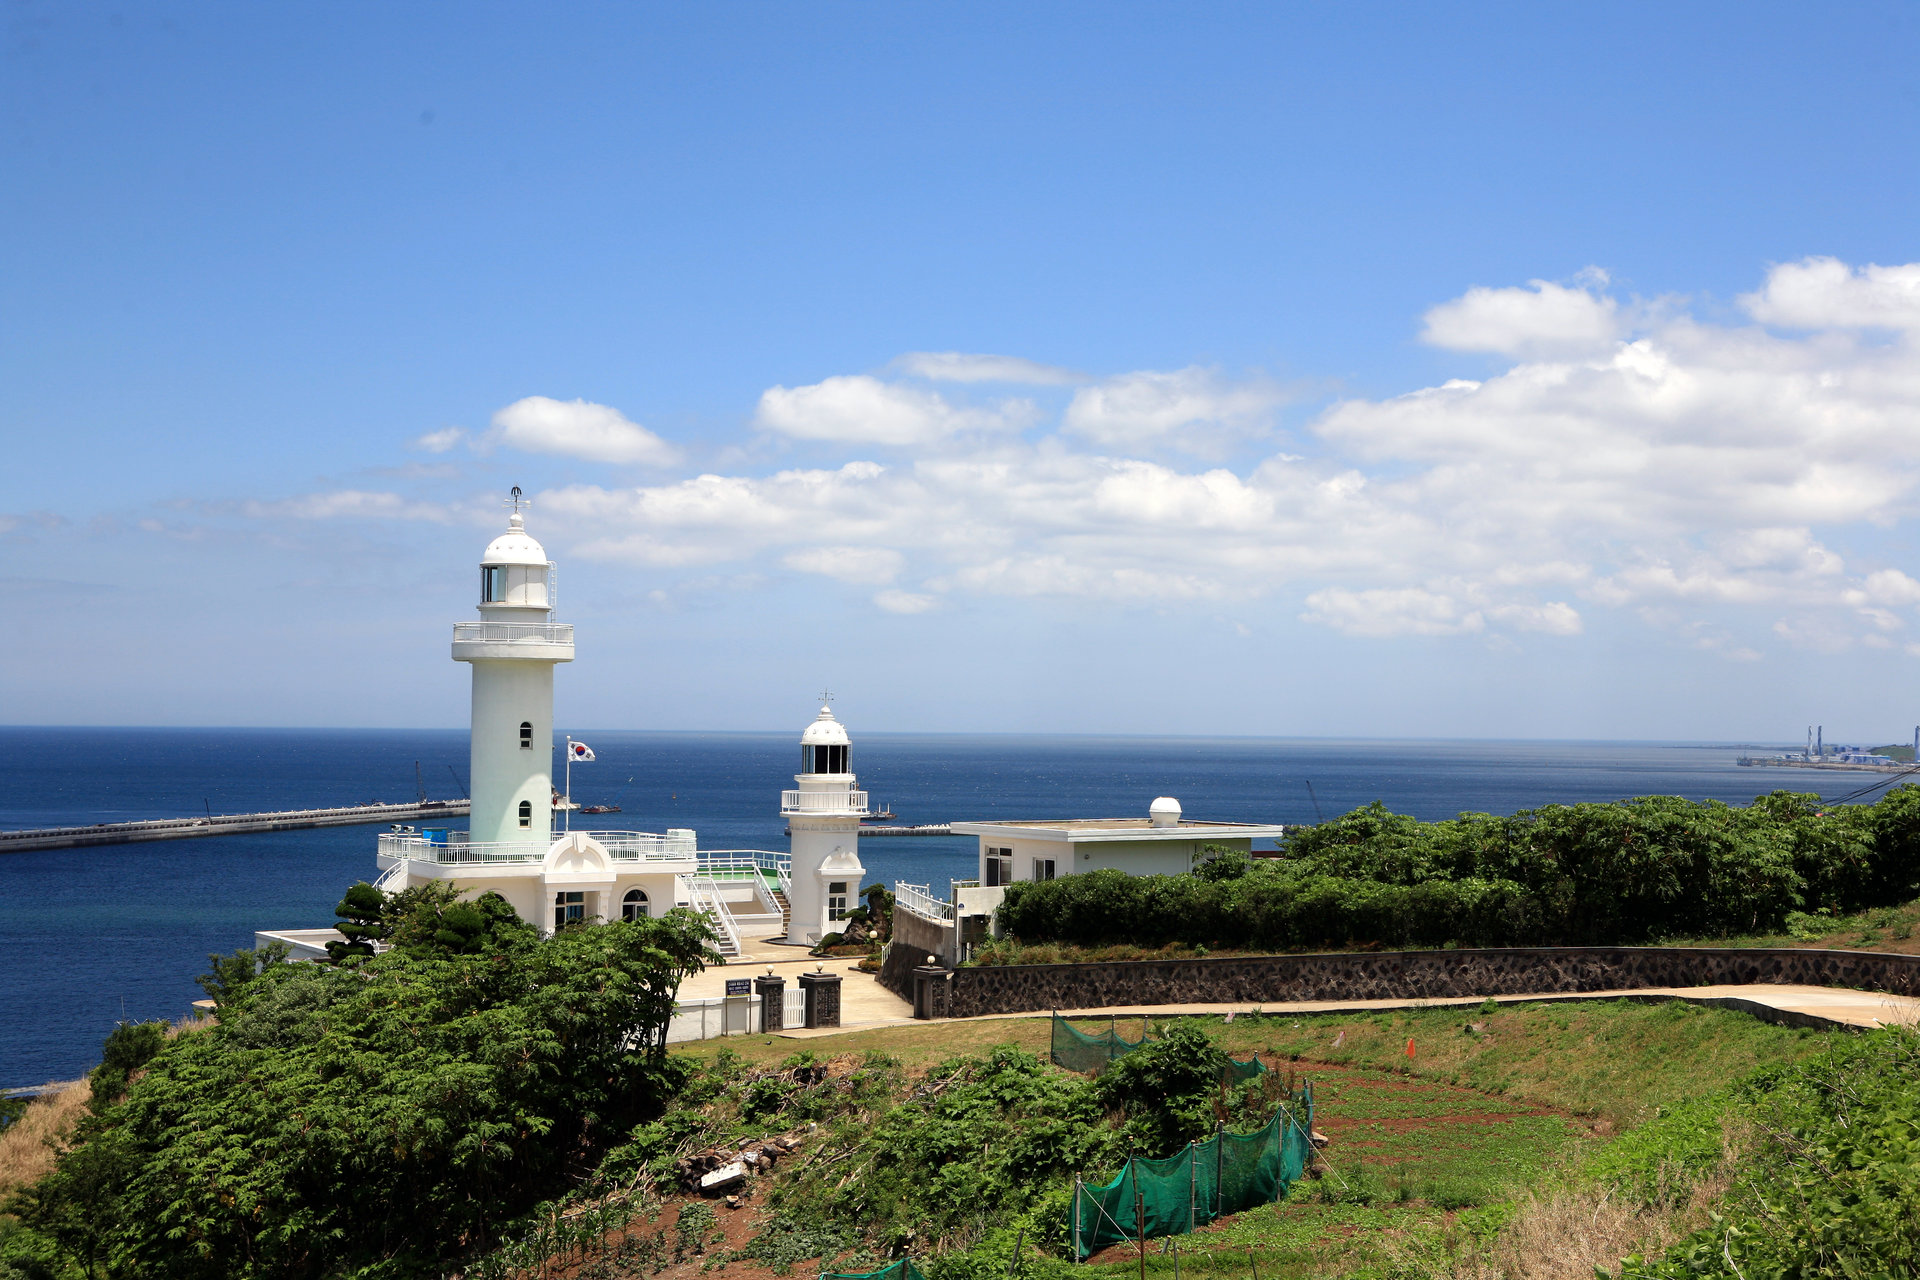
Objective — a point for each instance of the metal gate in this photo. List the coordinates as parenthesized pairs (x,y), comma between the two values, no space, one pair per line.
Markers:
(793,1008)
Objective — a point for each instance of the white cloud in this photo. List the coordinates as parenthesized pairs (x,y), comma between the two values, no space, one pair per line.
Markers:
(439,441)
(857,409)
(1544,319)
(872,566)
(1709,480)
(1183,406)
(578,429)
(1825,293)
(1381,612)
(905,602)
(1892,587)
(961,366)
(1554,618)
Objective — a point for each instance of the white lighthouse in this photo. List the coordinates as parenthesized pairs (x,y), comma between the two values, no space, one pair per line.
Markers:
(513,649)
(823,817)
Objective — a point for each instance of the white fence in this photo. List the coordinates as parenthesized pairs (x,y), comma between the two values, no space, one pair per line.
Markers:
(793,1008)
(849,802)
(919,899)
(452,848)
(507,632)
(713,1017)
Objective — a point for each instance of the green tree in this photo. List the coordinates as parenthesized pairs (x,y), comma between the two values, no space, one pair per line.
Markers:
(381,1118)
(362,923)
(230,975)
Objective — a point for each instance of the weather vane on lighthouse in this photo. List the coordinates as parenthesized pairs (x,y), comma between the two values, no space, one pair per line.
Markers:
(516,501)
(826,695)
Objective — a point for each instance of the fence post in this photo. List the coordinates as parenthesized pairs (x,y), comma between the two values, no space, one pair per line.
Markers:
(1192,1185)
(1219,1170)
(1076,1217)
(1140,1220)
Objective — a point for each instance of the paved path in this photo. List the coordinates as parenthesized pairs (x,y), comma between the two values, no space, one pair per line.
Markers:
(867,1004)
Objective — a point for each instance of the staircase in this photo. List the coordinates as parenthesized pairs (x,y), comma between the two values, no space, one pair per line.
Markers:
(786,913)
(705,898)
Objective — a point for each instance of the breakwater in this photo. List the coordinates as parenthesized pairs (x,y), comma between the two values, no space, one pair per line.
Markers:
(227,824)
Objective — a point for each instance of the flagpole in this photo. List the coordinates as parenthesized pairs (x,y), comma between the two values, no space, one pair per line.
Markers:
(566,817)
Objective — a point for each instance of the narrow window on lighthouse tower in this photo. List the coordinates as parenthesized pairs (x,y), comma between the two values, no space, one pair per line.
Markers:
(526,735)
(837,900)
(526,813)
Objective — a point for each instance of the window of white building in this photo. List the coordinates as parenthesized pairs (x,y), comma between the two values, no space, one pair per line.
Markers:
(837,900)
(493,583)
(999,867)
(526,735)
(1043,868)
(568,907)
(634,905)
(526,813)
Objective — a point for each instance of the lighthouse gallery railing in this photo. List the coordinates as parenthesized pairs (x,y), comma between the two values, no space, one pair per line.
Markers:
(504,632)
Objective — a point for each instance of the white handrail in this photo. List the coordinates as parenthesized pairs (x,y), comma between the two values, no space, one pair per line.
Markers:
(705,897)
(919,899)
(829,802)
(512,632)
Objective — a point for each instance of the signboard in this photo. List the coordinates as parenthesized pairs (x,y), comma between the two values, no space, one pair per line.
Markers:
(739,986)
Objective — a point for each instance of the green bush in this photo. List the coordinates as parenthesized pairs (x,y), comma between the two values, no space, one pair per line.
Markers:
(1595,874)
(381,1116)
(1833,1192)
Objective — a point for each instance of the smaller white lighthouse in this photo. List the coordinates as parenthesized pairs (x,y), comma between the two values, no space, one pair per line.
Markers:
(823,817)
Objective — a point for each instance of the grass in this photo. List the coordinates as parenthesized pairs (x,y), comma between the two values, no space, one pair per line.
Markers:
(1895,929)
(29,1144)
(1607,1061)
(1461,1161)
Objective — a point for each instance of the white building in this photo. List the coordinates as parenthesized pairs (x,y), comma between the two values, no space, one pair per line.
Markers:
(510,847)
(823,822)
(1162,843)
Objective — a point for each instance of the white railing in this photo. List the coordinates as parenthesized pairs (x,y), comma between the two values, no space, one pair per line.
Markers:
(848,802)
(744,864)
(454,849)
(703,896)
(919,899)
(513,633)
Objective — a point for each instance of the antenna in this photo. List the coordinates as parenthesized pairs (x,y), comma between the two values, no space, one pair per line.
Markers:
(516,501)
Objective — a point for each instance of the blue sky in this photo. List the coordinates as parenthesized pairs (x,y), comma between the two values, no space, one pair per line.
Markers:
(1472,370)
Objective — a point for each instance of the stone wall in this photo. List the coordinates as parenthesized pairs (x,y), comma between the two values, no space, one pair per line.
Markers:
(1401,975)
(914,939)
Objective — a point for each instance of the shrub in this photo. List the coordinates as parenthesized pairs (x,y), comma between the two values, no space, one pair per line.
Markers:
(1635,871)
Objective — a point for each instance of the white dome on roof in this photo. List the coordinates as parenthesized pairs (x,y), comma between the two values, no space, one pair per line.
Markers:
(825,731)
(1164,812)
(515,546)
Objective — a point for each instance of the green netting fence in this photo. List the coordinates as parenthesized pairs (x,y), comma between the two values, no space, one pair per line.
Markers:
(901,1270)
(1225,1174)
(1076,1050)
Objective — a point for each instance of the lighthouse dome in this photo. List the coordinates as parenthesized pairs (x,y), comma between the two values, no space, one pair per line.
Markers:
(825,731)
(515,546)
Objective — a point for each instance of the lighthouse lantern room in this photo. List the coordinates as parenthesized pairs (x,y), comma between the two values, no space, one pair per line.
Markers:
(823,819)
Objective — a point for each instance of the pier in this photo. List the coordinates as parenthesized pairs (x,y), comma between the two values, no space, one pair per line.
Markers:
(1795,762)
(228,824)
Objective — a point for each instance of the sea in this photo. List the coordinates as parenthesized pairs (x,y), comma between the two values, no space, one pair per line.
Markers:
(91,937)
